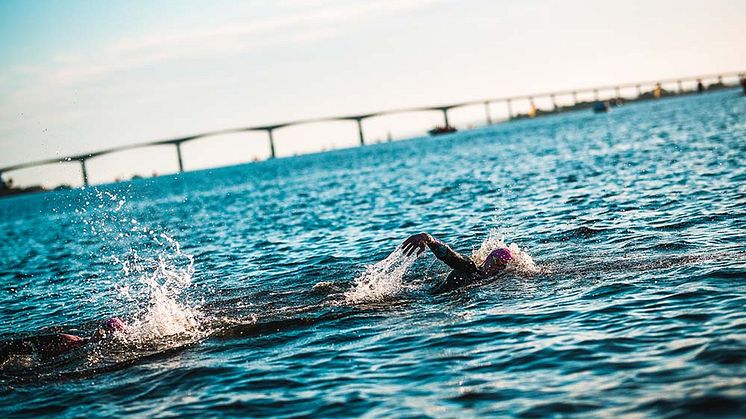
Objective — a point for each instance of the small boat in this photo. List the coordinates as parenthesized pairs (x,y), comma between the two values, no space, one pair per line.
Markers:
(442,130)
(600,107)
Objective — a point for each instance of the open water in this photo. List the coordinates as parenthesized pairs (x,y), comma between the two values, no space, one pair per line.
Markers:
(276,288)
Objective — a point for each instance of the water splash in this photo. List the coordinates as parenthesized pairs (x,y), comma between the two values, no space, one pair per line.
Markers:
(522,262)
(156,285)
(150,287)
(382,279)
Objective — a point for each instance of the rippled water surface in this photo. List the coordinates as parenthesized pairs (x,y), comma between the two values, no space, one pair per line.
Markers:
(276,288)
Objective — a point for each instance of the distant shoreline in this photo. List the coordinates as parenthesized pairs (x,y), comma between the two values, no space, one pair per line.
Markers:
(645,96)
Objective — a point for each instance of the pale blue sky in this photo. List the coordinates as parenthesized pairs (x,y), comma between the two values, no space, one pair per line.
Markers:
(77,76)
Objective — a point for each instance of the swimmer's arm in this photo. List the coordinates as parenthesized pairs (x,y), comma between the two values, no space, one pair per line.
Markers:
(441,251)
(451,257)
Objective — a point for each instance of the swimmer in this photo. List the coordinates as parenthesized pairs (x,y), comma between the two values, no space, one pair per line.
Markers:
(45,347)
(464,269)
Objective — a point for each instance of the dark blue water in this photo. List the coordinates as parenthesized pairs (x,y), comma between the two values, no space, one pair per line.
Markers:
(275,288)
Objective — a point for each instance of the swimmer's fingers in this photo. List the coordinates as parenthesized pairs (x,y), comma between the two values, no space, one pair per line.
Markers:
(422,249)
(409,246)
(414,248)
(416,243)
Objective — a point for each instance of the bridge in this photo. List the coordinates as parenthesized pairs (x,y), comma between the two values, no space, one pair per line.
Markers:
(615,91)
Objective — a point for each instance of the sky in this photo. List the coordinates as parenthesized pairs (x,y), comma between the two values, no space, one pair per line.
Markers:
(77,76)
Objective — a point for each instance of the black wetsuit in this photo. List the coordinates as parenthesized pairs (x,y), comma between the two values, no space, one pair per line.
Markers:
(465,271)
(44,346)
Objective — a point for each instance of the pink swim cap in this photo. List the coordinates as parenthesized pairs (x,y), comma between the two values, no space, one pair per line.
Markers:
(114,324)
(503,255)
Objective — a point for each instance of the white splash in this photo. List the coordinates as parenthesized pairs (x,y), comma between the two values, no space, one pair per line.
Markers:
(381,280)
(522,262)
(157,290)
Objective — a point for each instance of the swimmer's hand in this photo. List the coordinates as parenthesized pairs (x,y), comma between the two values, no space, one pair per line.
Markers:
(417,243)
